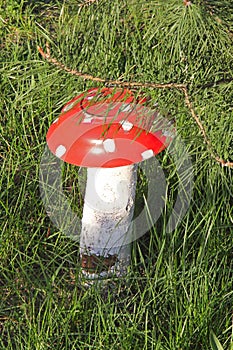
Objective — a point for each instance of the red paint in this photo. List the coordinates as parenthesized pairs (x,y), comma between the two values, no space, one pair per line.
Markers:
(97,115)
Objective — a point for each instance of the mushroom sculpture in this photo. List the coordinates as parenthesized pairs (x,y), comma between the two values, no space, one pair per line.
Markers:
(108,131)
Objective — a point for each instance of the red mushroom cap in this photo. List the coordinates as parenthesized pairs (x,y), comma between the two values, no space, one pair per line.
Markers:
(107,128)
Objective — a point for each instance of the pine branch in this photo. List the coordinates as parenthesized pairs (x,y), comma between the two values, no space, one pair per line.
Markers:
(182,87)
(203,132)
(84,76)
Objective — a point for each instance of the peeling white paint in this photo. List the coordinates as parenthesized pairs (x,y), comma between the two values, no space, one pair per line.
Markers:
(107,215)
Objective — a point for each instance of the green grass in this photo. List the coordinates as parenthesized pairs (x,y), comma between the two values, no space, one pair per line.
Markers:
(179,288)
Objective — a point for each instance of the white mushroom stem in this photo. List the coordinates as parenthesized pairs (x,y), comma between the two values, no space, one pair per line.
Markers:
(107,215)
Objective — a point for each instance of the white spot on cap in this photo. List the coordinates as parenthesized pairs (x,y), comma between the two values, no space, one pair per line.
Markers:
(60,151)
(109,145)
(126,108)
(147,154)
(88,118)
(68,106)
(127,126)
(97,142)
(55,120)
(90,97)
(96,150)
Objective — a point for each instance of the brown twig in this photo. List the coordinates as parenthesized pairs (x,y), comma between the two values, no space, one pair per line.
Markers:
(46,56)
(203,132)
(182,87)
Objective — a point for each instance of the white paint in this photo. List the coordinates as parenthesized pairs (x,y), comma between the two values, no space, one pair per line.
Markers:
(97,142)
(68,107)
(127,126)
(97,147)
(97,150)
(147,154)
(107,215)
(88,118)
(126,108)
(55,121)
(60,151)
(109,145)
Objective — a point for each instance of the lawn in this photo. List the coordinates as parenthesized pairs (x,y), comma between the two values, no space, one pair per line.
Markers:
(178,293)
